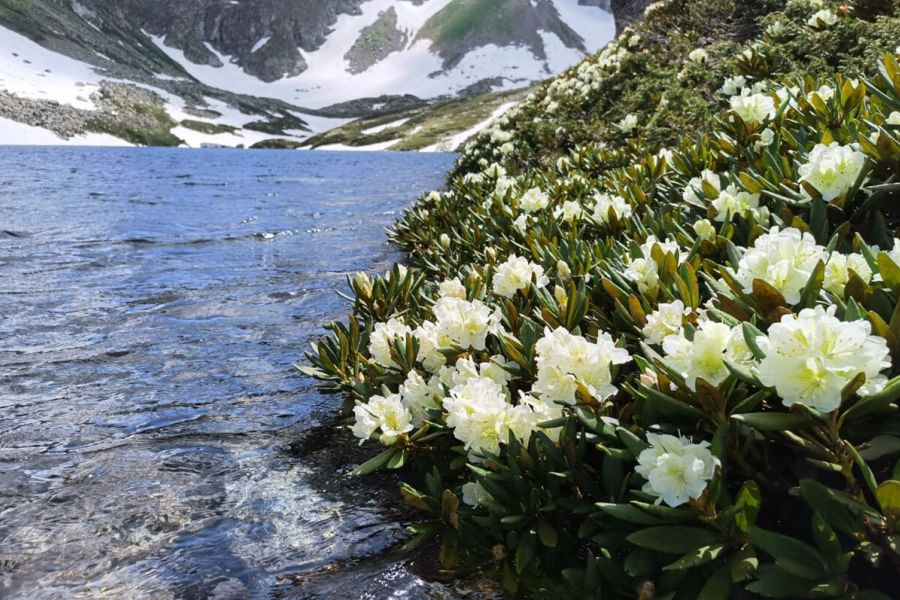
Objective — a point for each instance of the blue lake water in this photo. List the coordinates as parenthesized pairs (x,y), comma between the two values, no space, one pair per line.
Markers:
(152,304)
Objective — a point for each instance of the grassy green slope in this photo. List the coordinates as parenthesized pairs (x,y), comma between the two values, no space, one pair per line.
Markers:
(423,127)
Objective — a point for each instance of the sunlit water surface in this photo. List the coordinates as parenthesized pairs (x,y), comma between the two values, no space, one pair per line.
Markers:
(152,304)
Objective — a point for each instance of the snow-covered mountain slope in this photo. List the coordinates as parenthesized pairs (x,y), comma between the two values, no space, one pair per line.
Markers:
(240,72)
(419,66)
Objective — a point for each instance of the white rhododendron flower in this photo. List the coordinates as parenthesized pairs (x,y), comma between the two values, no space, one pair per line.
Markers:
(824,17)
(517,274)
(832,169)
(704,230)
(474,494)
(735,201)
(698,55)
(420,396)
(784,259)
(525,418)
(644,272)
(666,320)
(733,85)
(476,411)
(811,357)
(495,171)
(766,137)
(628,124)
(534,200)
(776,29)
(675,469)
(894,253)
(383,335)
(704,357)
(452,288)
(669,246)
(825,93)
(569,211)
(753,108)
(604,202)
(565,360)
(694,191)
(503,185)
(837,271)
(466,324)
(385,414)
(521,223)
(431,339)
(655,6)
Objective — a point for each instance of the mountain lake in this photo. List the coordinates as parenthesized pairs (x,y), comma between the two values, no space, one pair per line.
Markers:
(155,439)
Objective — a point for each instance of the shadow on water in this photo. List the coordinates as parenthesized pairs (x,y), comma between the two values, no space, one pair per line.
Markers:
(155,441)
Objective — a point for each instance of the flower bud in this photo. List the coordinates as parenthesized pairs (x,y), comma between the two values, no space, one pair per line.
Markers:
(565,273)
(445,241)
(561,297)
(362,284)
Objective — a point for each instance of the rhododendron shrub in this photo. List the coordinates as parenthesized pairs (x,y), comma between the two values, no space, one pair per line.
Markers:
(634,370)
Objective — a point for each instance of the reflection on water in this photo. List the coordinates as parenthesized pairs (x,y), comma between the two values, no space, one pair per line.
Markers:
(152,303)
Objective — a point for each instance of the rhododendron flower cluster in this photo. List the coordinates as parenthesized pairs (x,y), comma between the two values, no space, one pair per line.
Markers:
(384,414)
(534,200)
(811,357)
(604,203)
(833,169)
(566,361)
(675,469)
(666,320)
(704,355)
(753,108)
(784,259)
(516,274)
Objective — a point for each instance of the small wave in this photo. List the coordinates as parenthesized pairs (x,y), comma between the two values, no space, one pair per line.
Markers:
(14,234)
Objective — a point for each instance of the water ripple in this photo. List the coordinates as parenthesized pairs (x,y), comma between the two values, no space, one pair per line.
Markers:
(154,302)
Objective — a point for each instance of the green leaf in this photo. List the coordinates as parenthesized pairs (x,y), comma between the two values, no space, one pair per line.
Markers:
(888,496)
(450,549)
(881,446)
(698,556)
(774,421)
(890,272)
(397,460)
(629,514)
(841,511)
(546,533)
(876,402)
(826,541)
(674,539)
(373,464)
(718,586)
(525,552)
(792,555)
(773,582)
(634,444)
(749,500)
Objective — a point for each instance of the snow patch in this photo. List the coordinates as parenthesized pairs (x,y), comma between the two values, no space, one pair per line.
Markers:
(380,128)
(370,148)
(450,144)
(258,45)
(13,133)
(29,70)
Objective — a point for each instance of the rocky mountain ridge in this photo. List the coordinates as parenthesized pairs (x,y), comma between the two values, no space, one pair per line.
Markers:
(305,66)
